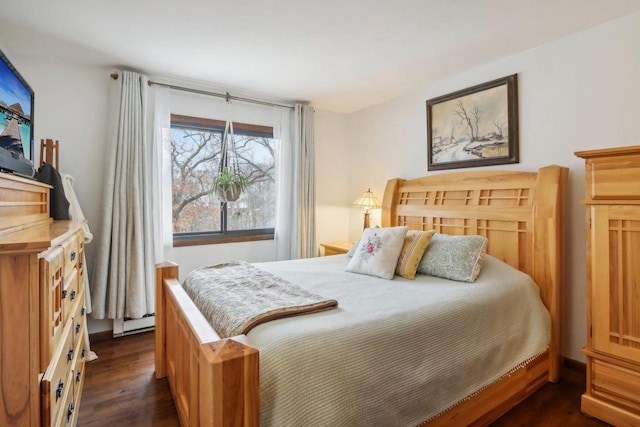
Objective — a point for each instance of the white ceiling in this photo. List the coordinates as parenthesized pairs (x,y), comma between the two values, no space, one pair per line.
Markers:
(340,55)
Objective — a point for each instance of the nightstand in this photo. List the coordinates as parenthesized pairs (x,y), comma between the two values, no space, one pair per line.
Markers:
(335,248)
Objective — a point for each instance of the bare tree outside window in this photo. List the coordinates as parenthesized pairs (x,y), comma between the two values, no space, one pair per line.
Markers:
(195,161)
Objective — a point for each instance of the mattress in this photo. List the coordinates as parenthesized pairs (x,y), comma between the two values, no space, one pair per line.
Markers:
(395,352)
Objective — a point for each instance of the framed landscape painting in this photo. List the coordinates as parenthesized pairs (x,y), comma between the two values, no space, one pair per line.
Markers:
(477,126)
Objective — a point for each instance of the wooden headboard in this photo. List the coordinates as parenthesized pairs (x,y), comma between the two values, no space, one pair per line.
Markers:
(520,213)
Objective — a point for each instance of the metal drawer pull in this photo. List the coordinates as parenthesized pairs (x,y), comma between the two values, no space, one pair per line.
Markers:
(82,311)
(70,409)
(70,355)
(73,255)
(78,376)
(82,354)
(64,293)
(59,389)
(73,295)
(77,328)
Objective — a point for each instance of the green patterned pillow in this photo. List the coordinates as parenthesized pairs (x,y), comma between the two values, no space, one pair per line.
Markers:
(454,257)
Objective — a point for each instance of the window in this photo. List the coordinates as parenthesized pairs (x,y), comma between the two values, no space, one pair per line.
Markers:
(199,217)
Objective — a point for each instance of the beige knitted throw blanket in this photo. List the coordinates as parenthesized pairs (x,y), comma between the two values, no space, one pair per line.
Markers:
(236,296)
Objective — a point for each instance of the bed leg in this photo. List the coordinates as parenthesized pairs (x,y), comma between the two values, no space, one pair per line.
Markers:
(164,270)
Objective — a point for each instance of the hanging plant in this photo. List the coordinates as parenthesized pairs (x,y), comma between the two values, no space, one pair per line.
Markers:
(229,184)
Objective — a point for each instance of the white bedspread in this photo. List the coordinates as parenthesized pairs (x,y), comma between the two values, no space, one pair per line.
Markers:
(395,352)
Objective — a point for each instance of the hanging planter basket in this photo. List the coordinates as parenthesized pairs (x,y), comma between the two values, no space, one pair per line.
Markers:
(229,184)
(228,196)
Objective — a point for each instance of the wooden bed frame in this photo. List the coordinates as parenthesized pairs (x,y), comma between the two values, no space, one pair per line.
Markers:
(215,382)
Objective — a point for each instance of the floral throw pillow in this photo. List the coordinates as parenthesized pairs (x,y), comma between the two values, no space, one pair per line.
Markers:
(378,251)
(353,249)
(454,257)
(415,243)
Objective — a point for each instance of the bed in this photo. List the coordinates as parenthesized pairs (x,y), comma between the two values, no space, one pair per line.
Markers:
(216,381)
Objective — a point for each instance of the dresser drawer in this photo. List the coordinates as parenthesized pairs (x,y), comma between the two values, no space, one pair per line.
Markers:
(78,374)
(78,368)
(614,178)
(81,261)
(616,384)
(79,319)
(51,320)
(70,294)
(80,357)
(71,252)
(67,414)
(57,382)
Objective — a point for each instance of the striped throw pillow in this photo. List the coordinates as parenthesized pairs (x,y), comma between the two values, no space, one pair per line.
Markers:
(415,243)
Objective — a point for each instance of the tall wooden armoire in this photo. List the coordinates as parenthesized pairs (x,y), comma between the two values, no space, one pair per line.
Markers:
(613,290)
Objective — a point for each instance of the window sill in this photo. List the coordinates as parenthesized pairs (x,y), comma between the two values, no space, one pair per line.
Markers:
(214,240)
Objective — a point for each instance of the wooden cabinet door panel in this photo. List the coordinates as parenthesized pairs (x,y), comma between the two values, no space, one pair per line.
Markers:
(615,269)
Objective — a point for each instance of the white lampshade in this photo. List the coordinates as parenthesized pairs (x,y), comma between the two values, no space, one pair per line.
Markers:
(367,201)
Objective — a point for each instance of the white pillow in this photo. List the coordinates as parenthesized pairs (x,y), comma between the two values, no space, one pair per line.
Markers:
(378,251)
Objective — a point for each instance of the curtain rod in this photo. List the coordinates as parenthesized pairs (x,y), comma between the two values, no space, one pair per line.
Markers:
(226,96)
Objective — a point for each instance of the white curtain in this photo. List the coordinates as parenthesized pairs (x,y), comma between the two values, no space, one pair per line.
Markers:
(285,233)
(295,178)
(161,172)
(123,278)
(306,191)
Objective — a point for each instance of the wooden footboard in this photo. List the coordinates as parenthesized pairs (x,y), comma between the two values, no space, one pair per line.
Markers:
(215,382)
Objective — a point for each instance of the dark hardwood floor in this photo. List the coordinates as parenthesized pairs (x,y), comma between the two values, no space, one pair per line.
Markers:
(120,390)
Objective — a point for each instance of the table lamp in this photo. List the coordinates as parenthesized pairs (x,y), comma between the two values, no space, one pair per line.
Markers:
(367,201)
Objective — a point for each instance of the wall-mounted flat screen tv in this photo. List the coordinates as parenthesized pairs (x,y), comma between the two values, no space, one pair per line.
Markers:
(16,121)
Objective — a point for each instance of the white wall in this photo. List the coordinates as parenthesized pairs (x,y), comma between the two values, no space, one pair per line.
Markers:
(332,184)
(71,106)
(578,93)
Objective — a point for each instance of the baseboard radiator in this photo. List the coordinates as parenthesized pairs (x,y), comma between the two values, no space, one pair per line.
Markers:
(126,326)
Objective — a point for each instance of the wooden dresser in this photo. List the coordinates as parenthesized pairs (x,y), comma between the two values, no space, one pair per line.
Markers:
(613,289)
(42,309)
